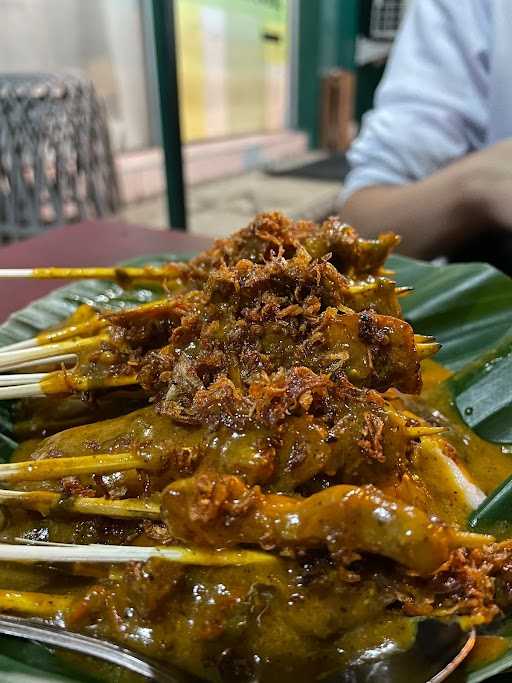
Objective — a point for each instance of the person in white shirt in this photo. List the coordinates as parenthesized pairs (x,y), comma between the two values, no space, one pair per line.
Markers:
(433,160)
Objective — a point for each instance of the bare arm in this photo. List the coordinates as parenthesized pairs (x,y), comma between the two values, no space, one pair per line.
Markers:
(413,169)
(467,196)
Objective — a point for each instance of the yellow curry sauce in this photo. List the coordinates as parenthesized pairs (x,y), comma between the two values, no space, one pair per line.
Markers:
(301,621)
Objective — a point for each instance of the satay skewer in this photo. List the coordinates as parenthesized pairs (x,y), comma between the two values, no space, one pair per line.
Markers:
(45,501)
(98,322)
(155,273)
(101,463)
(44,605)
(41,551)
(355,518)
(95,273)
(12,359)
(58,382)
(63,382)
(56,468)
(86,329)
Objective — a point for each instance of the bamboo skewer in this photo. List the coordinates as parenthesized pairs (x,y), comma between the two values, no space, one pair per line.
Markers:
(21,391)
(12,359)
(95,273)
(427,349)
(424,430)
(404,291)
(56,468)
(45,501)
(59,382)
(37,604)
(62,382)
(361,287)
(25,344)
(86,329)
(60,359)
(30,378)
(39,551)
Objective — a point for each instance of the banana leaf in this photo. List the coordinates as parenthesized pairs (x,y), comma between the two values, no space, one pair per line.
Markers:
(468,307)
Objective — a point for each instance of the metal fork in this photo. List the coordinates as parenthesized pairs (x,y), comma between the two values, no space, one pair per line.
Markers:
(34,629)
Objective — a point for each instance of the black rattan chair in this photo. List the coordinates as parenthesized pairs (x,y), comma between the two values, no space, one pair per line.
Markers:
(56,163)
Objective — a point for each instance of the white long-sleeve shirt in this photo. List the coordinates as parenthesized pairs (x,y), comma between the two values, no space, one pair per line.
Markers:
(447,91)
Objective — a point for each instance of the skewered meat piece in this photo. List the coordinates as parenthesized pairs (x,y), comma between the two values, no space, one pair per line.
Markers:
(302,281)
(222,511)
(287,430)
(299,286)
(296,425)
(273,233)
(299,280)
(261,317)
(251,319)
(371,350)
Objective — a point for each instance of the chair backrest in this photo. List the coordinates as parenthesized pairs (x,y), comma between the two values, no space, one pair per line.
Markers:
(56,163)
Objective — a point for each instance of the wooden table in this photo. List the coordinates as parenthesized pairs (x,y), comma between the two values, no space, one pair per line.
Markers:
(91,243)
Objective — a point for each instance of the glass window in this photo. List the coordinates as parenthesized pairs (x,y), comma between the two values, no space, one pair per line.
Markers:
(233,63)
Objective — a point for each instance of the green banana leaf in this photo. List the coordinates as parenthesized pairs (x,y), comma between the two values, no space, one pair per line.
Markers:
(468,307)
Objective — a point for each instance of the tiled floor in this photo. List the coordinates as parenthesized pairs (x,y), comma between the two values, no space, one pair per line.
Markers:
(219,207)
